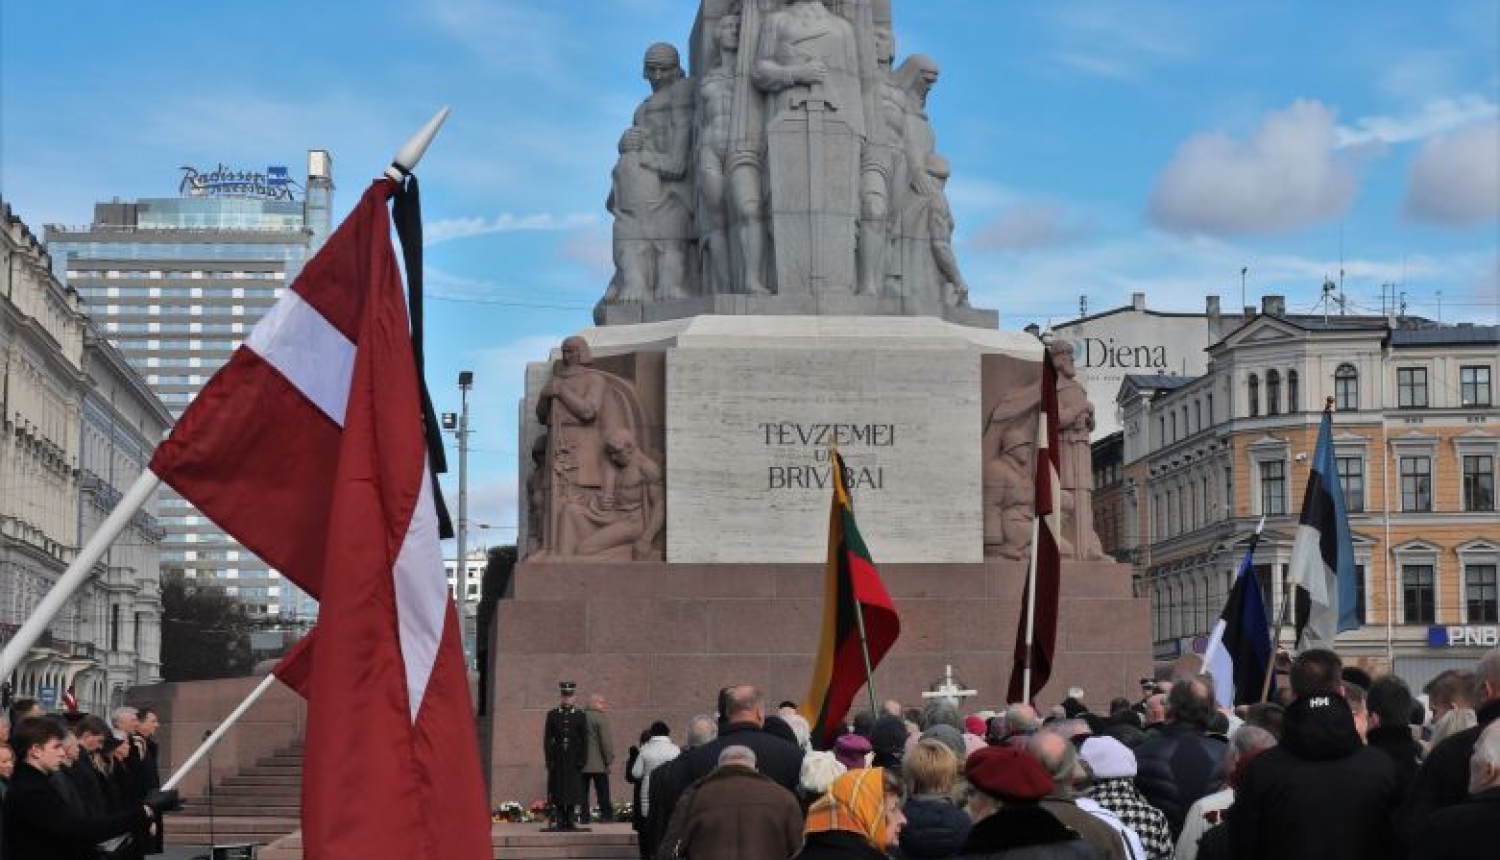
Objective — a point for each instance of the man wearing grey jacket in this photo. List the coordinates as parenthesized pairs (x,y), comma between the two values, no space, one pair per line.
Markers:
(600,754)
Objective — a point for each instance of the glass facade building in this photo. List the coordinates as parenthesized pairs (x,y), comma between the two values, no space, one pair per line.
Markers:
(176,283)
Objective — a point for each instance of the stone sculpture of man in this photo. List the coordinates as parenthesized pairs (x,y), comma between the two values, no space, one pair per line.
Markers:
(628,511)
(1075,418)
(713,123)
(651,197)
(882,169)
(807,61)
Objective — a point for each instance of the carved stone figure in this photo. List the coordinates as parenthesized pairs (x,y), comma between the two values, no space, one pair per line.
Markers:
(581,408)
(651,197)
(1075,417)
(807,61)
(714,123)
(923,194)
(536,497)
(1009,445)
(628,511)
(927,230)
(882,169)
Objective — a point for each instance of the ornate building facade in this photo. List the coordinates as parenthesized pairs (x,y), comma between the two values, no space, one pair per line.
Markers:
(78,426)
(1416,438)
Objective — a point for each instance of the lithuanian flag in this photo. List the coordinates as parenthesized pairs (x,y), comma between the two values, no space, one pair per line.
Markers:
(854,602)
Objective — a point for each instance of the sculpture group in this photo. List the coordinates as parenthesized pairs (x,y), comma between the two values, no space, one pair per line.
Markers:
(798,162)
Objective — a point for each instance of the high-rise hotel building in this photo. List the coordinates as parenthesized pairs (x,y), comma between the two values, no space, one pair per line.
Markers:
(176,283)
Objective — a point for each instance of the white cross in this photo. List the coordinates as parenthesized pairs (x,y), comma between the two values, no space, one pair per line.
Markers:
(949,691)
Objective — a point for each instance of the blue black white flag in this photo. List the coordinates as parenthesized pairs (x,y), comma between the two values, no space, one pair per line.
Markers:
(1322,565)
(1239,648)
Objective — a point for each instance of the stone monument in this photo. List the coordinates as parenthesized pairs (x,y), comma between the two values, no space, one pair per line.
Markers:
(785,281)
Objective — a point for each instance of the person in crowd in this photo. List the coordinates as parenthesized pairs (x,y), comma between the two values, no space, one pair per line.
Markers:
(1155,713)
(1266,715)
(599,754)
(1443,778)
(1060,759)
(1451,723)
(1356,696)
(1124,724)
(946,735)
(888,742)
(88,774)
(736,813)
(819,769)
(852,751)
(860,818)
(1321,793)
(670,779)
(801,731)
(4,729)
(777,725)
(1470,829)
(935,826)
(7,770)
(1451,690)
(1389,704)
(39,825)
(1207,812)
(1113,767)
(1008,786)
(25,709)
(656,750)
(149,723)
(1020,721)
(632,776)
(1178,766)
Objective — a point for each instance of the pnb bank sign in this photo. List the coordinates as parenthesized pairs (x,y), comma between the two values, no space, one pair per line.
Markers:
(1463,637)
(274,184)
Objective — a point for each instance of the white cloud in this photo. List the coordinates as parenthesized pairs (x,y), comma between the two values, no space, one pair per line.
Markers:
(1433,117)
(593,248)
(1030,225)
(1455,179)
(1121,41)
(448,229)
(1285,176)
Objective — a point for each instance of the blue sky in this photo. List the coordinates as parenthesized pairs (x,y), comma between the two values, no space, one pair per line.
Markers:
(1098,148)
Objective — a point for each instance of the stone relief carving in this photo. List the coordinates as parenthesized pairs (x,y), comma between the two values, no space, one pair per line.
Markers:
(595,494)
(797,163)
(1075,415)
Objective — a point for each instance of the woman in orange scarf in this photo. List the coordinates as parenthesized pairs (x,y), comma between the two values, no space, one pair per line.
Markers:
(858,819)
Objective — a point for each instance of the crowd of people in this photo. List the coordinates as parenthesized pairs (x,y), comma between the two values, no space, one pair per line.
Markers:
(1341,765)
(80,788)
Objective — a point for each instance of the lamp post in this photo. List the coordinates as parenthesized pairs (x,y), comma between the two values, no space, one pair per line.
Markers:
(465,382)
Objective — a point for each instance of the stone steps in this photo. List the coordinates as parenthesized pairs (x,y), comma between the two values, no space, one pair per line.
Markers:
(518,842)
(259,804)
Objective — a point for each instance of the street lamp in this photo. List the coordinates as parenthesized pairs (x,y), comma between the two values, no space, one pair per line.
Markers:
(465,382)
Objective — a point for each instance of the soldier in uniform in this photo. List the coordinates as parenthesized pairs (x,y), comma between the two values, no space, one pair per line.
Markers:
(565,744)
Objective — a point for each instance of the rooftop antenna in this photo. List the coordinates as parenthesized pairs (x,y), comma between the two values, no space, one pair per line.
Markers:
(1402,311)
(1083,305)
(1243,271)
(1328,288)
(1440,306)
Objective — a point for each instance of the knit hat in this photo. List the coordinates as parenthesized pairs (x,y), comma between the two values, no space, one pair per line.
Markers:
(1108,758)
(1008,774)
(888,738)
(855,802)
(851,750)
(948,736)
(974,725)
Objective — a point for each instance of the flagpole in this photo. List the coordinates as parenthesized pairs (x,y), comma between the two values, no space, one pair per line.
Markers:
(859,608)
(412,151)
(1036,536)
(79,571)
(218,733)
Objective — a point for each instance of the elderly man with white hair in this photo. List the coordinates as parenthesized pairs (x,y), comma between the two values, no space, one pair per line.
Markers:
(1470,828)
(735,813)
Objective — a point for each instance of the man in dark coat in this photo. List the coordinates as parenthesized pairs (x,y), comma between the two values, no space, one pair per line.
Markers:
(1321,793)
(1444,777)
(736,813)
(39,824)
(1178,765)
(1389,703)
(565,742)
(1470,829)
(150,771)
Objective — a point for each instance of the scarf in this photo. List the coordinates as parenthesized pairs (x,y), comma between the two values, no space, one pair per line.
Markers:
(855,802)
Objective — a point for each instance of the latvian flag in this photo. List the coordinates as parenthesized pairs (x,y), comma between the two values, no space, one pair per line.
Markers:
(309,448)
(1239,648)
(1036,634)
(853,595)
(1322,565)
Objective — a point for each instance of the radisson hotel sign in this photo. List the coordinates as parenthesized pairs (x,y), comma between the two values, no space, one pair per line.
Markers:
(274,184)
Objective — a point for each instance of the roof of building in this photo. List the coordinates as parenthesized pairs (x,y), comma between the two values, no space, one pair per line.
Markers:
(1460,334)
(1160,381)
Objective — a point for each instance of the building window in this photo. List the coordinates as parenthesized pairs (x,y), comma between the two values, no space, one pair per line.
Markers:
(1359,593)
(1480,595)
(1291,391)
(1416,483)
(1273,392)
(1210,408)
(1174,426)
(1474,386)
(1417,594)
(1198,414)
(1352,479)
(1411,387)
(1479,482)
(1254,387)
(1346,388)
(1273,488)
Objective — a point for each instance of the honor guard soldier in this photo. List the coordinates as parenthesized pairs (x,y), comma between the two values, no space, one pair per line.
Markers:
(566,747)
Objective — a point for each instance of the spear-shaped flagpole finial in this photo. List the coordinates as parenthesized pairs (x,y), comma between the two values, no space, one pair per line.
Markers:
(408,155)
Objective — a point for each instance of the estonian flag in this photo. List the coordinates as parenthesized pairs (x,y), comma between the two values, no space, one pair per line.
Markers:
(857,613)
(1239,649)
(1322,565)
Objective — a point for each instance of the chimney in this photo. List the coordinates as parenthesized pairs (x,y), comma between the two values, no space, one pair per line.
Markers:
(1137,301)
(1215,320)
(1274,306)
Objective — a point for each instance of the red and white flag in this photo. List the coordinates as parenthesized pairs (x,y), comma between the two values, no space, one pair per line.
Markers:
(309,448)
(1036,637)
(70,701)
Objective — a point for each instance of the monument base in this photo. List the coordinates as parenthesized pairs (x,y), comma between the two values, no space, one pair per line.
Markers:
(811,304)
(659,640)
